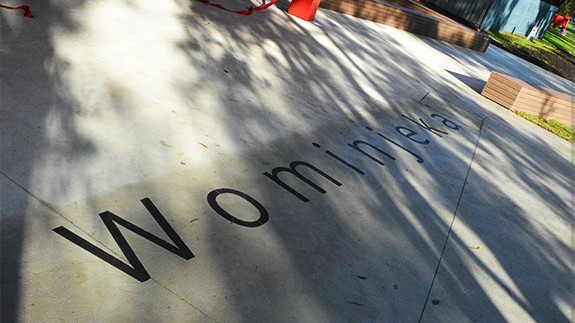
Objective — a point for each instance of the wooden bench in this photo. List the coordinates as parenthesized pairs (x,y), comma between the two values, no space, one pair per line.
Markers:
(412,17)
(517,95)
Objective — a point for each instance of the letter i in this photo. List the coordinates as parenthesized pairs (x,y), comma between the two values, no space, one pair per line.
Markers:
(339,159)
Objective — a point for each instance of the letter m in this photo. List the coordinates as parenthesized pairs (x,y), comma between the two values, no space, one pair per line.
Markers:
(135,269)
(292,170)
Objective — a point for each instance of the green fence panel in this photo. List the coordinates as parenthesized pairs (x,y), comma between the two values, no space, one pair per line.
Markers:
(513,16)
(471,10)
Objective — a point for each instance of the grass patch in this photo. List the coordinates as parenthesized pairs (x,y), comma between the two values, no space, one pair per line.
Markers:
(560,129)
(515,40)
(565,43)
(551,41)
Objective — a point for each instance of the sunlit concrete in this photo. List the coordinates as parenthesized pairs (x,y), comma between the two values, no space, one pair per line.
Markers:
(464,217)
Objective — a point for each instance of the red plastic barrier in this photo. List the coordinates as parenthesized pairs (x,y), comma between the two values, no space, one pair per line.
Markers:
(561,20)
(246,12)
(304,9)
(26,9)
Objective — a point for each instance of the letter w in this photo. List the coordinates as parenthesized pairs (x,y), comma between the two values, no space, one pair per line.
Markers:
(292,170)
(136,270)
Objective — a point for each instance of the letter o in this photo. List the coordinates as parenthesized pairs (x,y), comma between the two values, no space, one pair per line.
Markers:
(264,215)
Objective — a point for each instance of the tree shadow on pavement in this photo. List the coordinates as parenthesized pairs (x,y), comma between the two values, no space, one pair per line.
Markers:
(221,99)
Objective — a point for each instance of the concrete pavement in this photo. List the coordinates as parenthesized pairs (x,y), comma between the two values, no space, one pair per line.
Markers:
(168,161)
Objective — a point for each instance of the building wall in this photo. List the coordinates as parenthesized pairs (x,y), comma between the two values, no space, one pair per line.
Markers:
(513,16)
(519,16)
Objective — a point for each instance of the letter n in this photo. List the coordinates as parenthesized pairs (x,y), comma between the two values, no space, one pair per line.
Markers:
(135,269)
(292,170)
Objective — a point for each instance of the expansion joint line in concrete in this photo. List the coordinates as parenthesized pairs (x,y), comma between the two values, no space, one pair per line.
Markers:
(452,221)
(185,301)
(423,98)
(48,206)
(44,203)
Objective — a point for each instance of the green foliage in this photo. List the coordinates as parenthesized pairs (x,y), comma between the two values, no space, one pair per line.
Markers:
(565,6)
(560,129)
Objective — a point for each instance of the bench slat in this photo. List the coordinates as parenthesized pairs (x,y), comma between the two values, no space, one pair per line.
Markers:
(516,94)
